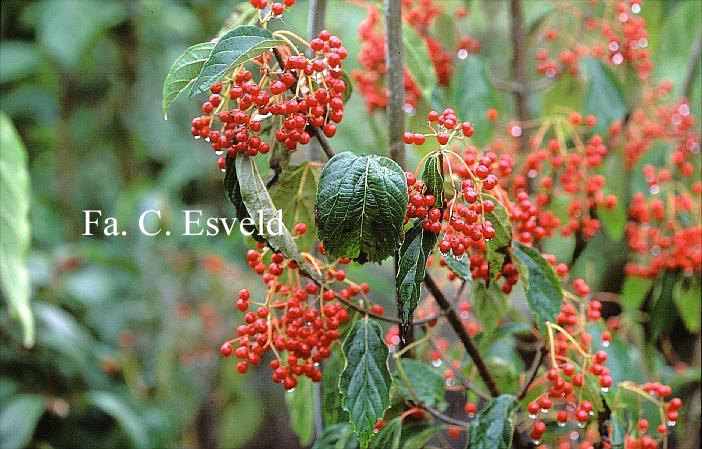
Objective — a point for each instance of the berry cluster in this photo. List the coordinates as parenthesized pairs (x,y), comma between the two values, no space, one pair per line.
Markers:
(304,94)
(277,8)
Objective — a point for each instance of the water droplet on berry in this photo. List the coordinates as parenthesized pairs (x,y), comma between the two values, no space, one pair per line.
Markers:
(532,416)
(605,344)
(654,189)
(291,390)
(575,435)
(197,137)
(223,170)
(536,442)
(617,58)
(636,8)
(613,46)
(409,109)
(165,116)
(643,42)
(671,423)
(655,250)
(604,389)
(516,131)
(623,17)
(561,424)
(532,173)
(436,363)
(219,152)
(462,53)
(684,109)
(207,139)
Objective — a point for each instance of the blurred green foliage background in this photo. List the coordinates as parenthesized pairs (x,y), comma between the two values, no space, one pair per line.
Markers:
(127,327)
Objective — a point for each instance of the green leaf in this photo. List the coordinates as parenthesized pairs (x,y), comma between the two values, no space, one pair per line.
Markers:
(604,96)
(543,289)
(127,418)
(349,87)
(233,193)
(332,410)
(237,46)
(497,248)
(389,436)
(260,206)
(663,315)
(417,382)
(417,61)
(617,432)
(473,95)
(411,267)
(360,206)
(300,404)
(338,436)
(365,382)
(184,70)
(18,419)
(19,60)
(613,221)
(14,227)
(634,292)
(493,427)
(434,180)
(460,266)
(296,189)
(490,306)
(686,296)
(67,33)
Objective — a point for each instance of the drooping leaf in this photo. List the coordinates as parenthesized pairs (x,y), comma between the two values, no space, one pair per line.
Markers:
(184,70)
(349,87)
(617,431)
(417,61)
(498,247)
(261,208)
(663,315)
(235,47)
(473,95)
(686,295)
(634,292)
(493,427)
(233,193)
(434,179)
(14,227)
(332,410)
(411,267)
(460,266)
(300,404)
(360,206)
(127,418)
(613,221)
(417,382)
(296,189)
(543,289)
(365,381)
(18,419)
(389,436)
(337,436)
(604,96)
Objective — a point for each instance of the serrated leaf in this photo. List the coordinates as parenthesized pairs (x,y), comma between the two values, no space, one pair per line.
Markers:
(332,410)
(417,61)
(411,267)
(360,207)
(686,295)
(604,96)
(127,418)
(460,266)
(184,70)
(338,436)
(260,207)
(417,382)
(233,193)
(493,427)
(18,419)
(434,180)
(300,403)
(235,47)
(634,292)
(472,95)
(365,382)
(296,189)
(543,289)
(14,227)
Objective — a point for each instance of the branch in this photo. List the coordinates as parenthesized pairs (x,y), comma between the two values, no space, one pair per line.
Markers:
(395,80)
(467,341)
(538,358)
(445,418)
(692,66)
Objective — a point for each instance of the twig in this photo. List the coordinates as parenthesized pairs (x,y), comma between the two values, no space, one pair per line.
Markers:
(462,334)
(445,418)
(692,66)
(538,359)
(395,79)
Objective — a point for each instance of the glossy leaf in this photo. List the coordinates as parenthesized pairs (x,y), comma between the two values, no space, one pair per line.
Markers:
(300,404)
(418,382)
(493,427)
(18,419)
(434,179)
(604,97)
(365,382)
(460,266)
(261,208)
(233,193)
(332,410)
(235,47)
(14,227)
(411,267)
(337,436)
(184,70)
(417,61)
(543,289)
(360,206)
(296,190)
(498,247)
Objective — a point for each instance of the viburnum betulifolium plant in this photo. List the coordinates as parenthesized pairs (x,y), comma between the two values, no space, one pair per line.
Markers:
(488,320)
